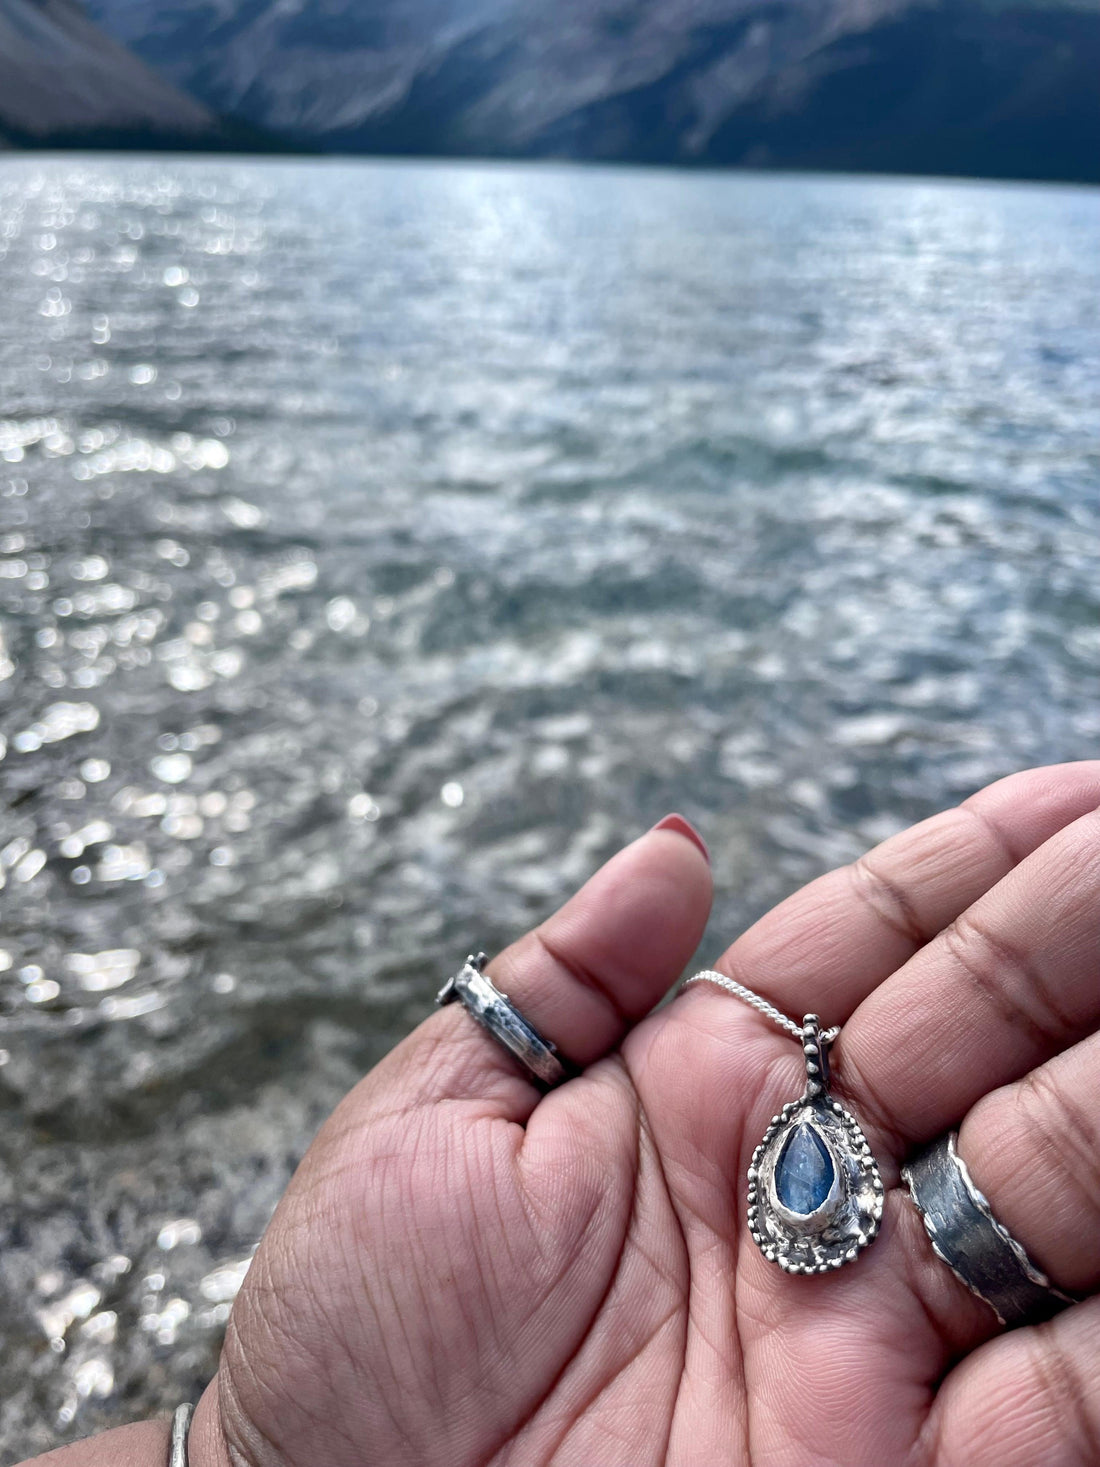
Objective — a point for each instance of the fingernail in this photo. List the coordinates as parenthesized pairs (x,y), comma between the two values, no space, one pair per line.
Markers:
(685,828)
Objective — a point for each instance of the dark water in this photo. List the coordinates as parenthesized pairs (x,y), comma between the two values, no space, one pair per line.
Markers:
(380,547)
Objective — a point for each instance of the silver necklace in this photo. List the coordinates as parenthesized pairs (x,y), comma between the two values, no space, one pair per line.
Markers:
(815,1194)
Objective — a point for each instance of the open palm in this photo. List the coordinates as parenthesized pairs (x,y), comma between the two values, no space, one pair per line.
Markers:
(464,1272)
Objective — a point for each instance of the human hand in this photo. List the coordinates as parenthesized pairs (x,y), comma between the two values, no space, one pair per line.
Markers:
(464,1272)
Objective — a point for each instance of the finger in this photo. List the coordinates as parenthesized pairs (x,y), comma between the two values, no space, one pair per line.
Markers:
(821,951)
(713,1072)
(1011,982)
(827,947)
(1027,1398)
(593,1179)
(1033,1149)
(581,978)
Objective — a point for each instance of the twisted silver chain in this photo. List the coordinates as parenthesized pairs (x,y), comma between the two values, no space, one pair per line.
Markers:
(754,1001)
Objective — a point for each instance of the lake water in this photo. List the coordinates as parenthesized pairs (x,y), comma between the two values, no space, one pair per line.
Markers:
(382,546)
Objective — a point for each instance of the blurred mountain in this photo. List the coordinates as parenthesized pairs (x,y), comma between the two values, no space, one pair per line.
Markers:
(63,81)
(996,87)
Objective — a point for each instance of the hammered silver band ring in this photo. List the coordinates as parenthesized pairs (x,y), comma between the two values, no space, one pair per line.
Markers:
(978,1250)
(483,1001)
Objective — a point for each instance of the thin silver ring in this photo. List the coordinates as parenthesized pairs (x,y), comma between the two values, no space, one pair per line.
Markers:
(978,1250)
(181,1426)
(483,1001)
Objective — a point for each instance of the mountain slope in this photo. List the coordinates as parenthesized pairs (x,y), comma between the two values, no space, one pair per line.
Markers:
(62,79)
(1004,87)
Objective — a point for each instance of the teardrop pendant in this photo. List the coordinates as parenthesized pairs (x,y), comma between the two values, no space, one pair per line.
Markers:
(815,1194)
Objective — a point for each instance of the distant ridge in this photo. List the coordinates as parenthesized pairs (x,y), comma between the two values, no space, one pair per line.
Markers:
(1005,88)
(63,81)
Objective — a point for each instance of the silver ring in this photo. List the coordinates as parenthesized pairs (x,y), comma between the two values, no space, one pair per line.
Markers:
(978,1250)
(475,991)
(181,1426)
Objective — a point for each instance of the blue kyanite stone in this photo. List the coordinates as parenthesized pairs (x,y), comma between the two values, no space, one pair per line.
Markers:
(804,1172)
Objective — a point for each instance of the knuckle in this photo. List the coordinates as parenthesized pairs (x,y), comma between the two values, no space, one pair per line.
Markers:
(1059,1130)
(888,900)
(993,832)
(584,976)
(1006,979)
(874,1108)
(1069,1400)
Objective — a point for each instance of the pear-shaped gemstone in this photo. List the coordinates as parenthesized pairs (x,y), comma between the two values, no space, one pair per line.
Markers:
(804,1172)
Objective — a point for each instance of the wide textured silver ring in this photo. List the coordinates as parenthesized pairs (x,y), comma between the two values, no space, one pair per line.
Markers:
(475,991)
(979,1250)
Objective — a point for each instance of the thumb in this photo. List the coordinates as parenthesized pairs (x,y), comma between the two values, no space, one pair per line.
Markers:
(581,978)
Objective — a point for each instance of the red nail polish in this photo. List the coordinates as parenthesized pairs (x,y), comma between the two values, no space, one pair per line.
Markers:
(684,828)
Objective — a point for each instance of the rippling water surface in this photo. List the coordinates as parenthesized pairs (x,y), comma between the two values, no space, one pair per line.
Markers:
(381,546)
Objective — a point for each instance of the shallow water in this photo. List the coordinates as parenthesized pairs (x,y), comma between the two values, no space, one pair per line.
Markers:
(381,546)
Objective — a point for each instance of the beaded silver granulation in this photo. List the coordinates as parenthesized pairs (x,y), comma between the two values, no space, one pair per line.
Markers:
(815,1195)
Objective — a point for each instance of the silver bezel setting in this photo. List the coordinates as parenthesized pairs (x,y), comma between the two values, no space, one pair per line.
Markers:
(849,1217)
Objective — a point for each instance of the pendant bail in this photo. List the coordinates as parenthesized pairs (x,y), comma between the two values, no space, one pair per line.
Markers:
(817,1057)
